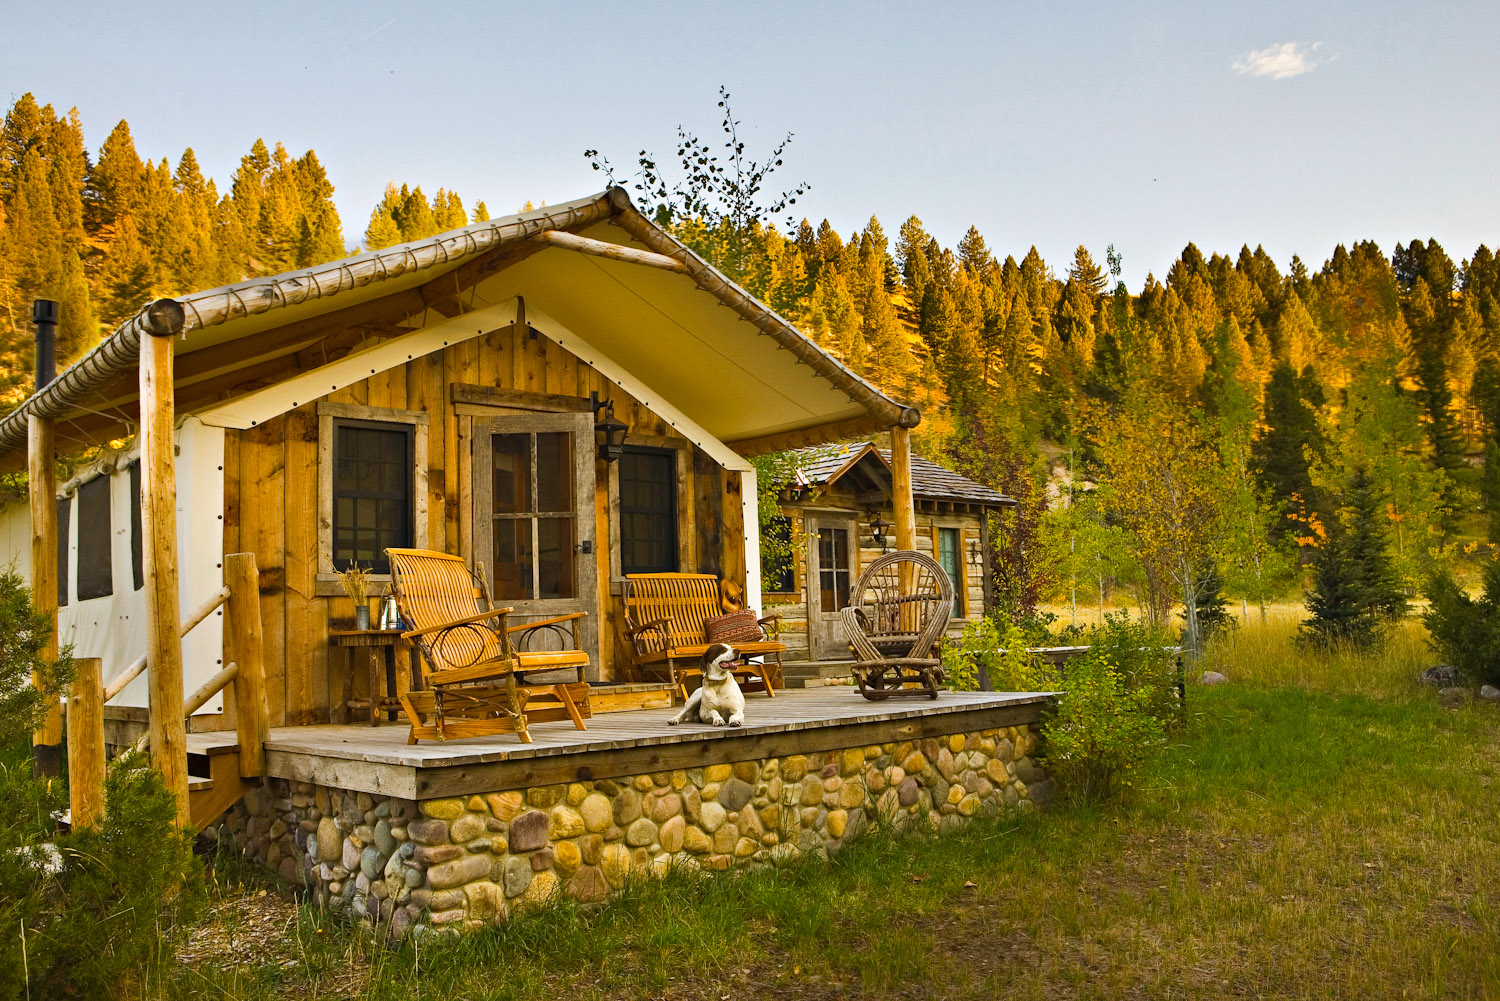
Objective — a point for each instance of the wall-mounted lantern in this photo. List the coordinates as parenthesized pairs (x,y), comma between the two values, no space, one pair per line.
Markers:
(976,553)
(608,429)
(878,528)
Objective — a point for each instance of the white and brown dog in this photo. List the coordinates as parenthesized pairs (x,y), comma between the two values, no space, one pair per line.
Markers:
(718,701)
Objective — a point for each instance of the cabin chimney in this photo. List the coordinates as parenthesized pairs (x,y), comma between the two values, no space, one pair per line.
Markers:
(44,315)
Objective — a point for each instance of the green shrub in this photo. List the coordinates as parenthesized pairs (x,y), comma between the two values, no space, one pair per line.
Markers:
(998,647)
(1465,631)
(1103,731)
(86,913)
(1118,699)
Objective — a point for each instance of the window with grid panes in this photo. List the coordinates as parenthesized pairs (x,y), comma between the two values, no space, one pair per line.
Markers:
(952,561)
(648,510)
(372,492)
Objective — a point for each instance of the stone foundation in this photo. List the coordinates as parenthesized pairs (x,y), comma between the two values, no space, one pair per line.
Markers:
(475,859)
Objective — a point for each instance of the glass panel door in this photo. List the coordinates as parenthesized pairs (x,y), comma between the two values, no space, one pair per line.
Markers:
(534,516)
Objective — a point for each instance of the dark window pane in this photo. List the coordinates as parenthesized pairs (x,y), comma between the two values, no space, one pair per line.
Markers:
(64,523)
(554,558)
(512,484)
(781,577)
(372,493)
(95,579)
(554,471)
(137,564)
(513,559)
(648,510)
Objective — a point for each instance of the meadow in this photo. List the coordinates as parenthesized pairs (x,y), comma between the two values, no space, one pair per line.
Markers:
(1318,828)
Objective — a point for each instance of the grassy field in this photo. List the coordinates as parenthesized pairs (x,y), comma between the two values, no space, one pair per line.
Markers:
(1319,829)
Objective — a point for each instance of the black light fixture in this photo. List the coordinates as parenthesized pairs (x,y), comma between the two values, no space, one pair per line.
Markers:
(609,429)
(877,528)
(976,554)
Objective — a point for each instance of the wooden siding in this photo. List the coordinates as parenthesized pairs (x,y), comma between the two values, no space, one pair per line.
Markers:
(271,500)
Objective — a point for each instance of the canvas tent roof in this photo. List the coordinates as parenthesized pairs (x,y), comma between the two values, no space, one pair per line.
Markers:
(686,340)
(871,467)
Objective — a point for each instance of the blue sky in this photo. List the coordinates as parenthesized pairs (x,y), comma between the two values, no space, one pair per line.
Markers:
(1292,125)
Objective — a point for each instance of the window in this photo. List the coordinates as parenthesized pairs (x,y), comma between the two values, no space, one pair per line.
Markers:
(648,510)
(137,564)
(951,558)
(64,520)
(95,579)
(779,569)
(372,492)
(833,568)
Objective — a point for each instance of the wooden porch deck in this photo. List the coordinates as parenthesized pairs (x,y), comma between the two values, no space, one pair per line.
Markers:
(378,759)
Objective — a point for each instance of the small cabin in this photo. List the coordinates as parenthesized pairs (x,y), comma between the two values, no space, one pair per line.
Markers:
(839,511)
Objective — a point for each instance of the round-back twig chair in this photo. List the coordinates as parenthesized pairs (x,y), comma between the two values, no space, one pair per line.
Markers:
(896,618)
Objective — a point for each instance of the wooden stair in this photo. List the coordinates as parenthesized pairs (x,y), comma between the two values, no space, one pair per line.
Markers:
(214,783)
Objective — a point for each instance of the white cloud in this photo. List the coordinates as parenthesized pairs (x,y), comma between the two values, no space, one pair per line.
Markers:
(1278,62)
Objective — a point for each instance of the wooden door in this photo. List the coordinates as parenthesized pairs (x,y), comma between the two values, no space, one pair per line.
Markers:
(534,519)
(832,546)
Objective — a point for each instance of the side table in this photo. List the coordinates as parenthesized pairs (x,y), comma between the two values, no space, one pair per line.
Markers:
(370,641)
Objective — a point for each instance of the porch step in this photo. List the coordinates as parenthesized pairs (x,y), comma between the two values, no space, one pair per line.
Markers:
(816,673)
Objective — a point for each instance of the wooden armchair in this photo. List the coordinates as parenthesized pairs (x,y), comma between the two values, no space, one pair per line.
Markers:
(471,662)
(896,619)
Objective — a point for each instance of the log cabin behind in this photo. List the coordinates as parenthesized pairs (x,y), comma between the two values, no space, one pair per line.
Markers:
(841,509)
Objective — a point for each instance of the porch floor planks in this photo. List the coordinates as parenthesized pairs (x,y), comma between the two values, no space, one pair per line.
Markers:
(792,710)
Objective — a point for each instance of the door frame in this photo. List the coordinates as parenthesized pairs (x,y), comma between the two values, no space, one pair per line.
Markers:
(585,564)
(837,646)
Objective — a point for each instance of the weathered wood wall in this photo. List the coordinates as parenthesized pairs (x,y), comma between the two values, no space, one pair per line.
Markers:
(271,500)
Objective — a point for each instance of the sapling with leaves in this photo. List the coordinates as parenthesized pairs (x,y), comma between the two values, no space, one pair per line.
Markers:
(718,199)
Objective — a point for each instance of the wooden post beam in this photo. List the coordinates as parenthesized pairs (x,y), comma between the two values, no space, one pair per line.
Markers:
(252,718)
(168,728)
(905,504)
(611,251)
(86,743)
(42,488)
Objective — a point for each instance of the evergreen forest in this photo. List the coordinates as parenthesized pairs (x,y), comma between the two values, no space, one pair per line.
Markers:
(1188,441)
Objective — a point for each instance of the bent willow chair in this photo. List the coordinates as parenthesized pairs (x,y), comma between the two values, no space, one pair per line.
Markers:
(472,665)
(895,620)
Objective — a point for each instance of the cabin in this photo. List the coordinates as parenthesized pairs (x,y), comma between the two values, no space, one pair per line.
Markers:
(233,450)
(839,511)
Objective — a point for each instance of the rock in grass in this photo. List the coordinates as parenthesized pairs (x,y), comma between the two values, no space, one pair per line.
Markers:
(1441,676)
(1452,697)
(1490,693)
(1214,678)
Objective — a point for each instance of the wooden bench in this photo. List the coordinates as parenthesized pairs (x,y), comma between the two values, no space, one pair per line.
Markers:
(665,619)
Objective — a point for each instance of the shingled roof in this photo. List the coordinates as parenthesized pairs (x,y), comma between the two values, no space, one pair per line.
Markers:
(929,481)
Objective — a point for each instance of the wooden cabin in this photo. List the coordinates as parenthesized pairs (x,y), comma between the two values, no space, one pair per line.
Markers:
(443,394)
(840,509)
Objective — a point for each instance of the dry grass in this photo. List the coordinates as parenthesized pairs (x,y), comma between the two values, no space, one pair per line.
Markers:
(1267,652)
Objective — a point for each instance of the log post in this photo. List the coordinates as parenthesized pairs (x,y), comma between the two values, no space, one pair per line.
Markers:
(86,743)
(252,718)
(159,544)
(905,503)
(42,474)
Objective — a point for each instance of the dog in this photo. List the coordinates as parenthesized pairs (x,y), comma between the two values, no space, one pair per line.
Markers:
(718,701)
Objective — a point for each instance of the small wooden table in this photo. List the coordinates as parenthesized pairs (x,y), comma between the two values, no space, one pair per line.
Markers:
(370,640)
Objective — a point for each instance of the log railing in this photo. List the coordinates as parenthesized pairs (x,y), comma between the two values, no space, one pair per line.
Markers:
(242,679)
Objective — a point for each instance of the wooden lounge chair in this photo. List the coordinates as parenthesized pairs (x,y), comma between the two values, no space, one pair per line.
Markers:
(896,619)
(665,617)
(472,666)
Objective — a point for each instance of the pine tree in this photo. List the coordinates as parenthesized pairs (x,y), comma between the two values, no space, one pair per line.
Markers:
(1355,588)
